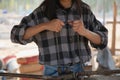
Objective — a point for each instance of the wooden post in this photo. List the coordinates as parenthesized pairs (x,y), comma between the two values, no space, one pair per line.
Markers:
(114,29)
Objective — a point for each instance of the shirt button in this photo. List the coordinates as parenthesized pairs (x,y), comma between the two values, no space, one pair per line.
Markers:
(71,39)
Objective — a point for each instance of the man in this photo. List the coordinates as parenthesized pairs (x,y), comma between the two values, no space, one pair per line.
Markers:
(61,29)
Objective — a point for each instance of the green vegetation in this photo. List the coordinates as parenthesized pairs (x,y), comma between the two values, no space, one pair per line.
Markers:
(20,6)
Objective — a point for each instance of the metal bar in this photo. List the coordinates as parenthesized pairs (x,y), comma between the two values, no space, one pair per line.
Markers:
(26,76)
(89,73)
(67,76)
(102,72)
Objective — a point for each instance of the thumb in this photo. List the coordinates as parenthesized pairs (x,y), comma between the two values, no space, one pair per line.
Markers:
(62,23)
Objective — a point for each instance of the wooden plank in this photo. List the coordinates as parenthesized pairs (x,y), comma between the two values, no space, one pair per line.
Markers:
(30,68)
(117,49)
(111,22)
(114,29)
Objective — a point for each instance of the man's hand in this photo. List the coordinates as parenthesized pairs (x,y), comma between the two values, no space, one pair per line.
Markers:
(54,25)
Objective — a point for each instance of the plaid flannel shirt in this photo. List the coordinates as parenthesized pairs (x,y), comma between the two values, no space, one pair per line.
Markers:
(65,47)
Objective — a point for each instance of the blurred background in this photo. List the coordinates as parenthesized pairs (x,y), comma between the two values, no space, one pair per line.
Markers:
(12,11)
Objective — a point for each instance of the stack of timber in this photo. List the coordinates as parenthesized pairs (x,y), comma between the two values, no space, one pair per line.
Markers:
(30,65)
